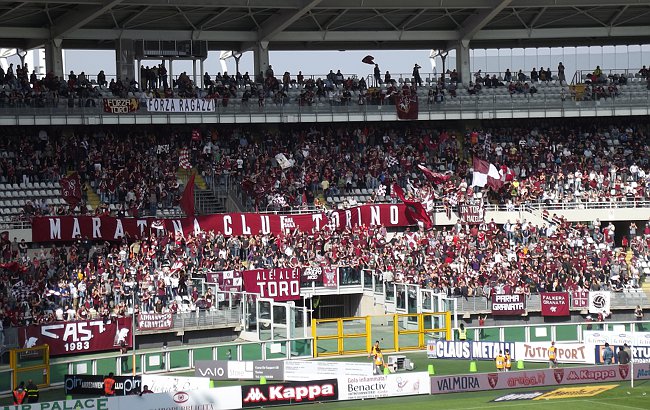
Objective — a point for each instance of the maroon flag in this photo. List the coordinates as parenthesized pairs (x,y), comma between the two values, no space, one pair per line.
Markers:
(555,304)
(508,304)
(368,59)
(71,189)
(407,106)
(414,210)
(187,199)
(435,177)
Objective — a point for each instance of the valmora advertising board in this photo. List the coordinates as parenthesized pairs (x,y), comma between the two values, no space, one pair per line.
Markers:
(566,352)
(392,385)
(529,378)
(440,349)
(289,393)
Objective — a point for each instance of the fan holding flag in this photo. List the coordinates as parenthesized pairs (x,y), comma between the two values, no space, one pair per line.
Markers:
(415,212)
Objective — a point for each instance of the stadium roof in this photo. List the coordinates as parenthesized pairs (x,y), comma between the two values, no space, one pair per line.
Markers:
(326,24)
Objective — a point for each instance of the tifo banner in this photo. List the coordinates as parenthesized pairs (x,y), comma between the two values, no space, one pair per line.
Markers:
(228,280)
(155,321)
(304,370)
(566,352)
(94,385)
(579,298)
(614,338)
(599,301)
(472,213)
(529,378)
(164,384)
(508,304)
(392,385)
(406,106)
(441,349)
(240,370)
(289,393)
(71,189)
(82,336)
(68,228)
(327,275)
(121,105)
(555,304)
(180,105)
(330,277)
(280,284)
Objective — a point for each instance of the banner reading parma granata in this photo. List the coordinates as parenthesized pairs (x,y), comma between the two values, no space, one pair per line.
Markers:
(82,336)
(68,228)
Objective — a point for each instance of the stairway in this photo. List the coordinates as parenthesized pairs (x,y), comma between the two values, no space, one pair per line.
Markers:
(184,174)
(93,198)
(206,202)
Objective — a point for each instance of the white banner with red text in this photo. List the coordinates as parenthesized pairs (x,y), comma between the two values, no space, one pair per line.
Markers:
(106,228)
(566,352)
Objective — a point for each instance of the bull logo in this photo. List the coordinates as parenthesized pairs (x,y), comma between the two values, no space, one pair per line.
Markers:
(624,371)
(558,374)
(493,378)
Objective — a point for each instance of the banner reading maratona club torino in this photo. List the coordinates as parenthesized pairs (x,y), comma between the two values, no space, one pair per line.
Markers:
(68,228)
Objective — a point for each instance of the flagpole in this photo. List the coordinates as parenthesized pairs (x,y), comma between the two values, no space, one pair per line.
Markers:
(632,356)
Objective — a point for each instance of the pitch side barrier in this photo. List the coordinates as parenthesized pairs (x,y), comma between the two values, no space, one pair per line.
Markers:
(349,388)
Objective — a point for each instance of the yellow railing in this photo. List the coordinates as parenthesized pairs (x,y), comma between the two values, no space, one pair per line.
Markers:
(397,332)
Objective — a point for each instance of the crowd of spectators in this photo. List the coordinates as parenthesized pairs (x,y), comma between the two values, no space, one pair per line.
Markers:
(21,89)
(598,160)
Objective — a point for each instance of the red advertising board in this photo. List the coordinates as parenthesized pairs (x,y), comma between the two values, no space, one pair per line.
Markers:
(68,228)
(155,321)
(555,304)
(82,336)
(503,305)
(279,284)
(579,298)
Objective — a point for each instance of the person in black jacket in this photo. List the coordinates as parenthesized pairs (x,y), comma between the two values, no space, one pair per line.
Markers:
(32,392)
(623,355)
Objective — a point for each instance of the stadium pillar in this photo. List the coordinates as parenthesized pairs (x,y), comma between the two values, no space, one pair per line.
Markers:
(125,59)
(261,58)
(462,62)
(54,57)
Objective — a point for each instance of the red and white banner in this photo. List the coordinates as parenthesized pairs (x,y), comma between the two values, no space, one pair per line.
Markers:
(330,277)
(83,336)
(503,305)
(406,106)
(579,298)
(555,304)
(279,284)
(155,321)
(67,228)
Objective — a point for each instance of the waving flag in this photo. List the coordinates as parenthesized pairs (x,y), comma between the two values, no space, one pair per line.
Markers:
(71,189)
(368,59)
(187,199)
(486,174)
(415,212)
(184,159)
(435,177)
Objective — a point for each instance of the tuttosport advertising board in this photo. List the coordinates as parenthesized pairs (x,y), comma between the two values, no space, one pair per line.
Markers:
(392,385)
(530,378)
(441,349)
(566,352)
(313,391)
(82,336)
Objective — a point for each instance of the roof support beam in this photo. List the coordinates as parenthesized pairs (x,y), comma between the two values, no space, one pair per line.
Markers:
(476,22)
(79,17)
(280,21)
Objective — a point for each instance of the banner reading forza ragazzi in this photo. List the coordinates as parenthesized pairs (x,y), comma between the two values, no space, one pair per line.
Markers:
(68,228)
(82,336)
(180,105)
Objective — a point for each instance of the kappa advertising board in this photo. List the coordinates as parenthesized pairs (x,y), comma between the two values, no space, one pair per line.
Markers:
(91,385)
(555,304)
(68,228)
(566,352)
(529,378)
(82,336)
(503,305)
(304,370)
(280,284)
(392,385)
(240,370)
(289,393)
(441,349)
